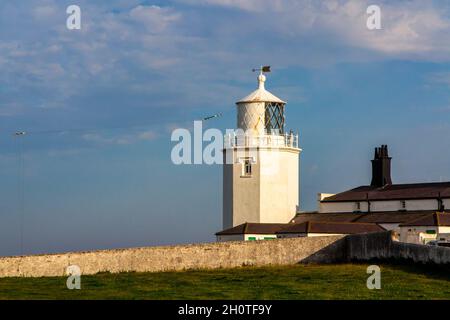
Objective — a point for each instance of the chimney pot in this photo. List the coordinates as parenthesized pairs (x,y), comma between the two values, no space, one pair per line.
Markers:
(381,167)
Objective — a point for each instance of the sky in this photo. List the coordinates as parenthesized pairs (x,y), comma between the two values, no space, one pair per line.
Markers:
(99,105)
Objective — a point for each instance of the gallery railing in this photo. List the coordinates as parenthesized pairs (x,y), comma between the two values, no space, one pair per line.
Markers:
(270,140)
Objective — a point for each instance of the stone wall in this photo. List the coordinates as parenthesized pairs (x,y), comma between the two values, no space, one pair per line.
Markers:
(179,257)
(331,249)
(381,246)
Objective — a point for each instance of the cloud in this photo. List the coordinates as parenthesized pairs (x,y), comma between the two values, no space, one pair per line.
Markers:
(99,139)
(120,139)
(439,78)
(44,11)
(410,29)
(10,109)
(69,152)
(148,135)
(139,60)
(155,18)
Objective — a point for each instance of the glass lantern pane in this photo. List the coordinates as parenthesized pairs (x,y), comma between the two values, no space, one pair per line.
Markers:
(274,117)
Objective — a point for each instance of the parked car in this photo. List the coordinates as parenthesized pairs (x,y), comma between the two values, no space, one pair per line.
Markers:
(438,243)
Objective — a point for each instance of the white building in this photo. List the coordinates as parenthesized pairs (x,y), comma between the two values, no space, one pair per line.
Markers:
(434,226)
(384,196)
(267,231)
(250,232)
(261,187)
(261,163)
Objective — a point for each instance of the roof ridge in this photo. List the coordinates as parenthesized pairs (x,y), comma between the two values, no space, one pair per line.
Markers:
(406,184)
(342,222)
(417,219)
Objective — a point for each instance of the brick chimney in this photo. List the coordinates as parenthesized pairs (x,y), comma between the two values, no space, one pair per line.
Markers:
(381,167)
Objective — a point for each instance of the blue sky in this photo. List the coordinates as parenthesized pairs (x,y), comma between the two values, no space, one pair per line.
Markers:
(99,105)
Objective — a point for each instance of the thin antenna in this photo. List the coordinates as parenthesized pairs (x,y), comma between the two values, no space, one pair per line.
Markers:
(21,185)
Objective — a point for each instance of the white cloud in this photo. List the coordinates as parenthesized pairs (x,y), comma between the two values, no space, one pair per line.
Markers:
(155,18)
(120,139)
(99,139)
(148,135)
(10,109)
(439,78)
(410,29)
(44,11)
(181,56)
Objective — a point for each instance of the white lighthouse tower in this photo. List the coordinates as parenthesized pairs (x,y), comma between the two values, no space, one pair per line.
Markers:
(261,162)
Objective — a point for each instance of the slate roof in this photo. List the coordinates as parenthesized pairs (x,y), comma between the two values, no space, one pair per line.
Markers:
(373,217)
(331,227)
(436,219)
(392,216)
(329,217)
(253,228)
(343,223)
(430,190)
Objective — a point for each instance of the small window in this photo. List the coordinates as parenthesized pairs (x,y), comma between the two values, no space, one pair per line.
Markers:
(357,207)
(247,167)
(403,204)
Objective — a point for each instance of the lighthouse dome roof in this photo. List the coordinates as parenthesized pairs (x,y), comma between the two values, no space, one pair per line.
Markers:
(261,94)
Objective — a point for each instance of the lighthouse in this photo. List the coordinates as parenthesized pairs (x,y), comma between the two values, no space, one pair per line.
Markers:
(261,162)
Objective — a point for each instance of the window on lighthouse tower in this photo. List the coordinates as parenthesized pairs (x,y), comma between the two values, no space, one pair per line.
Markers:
(274,117)
(247,167)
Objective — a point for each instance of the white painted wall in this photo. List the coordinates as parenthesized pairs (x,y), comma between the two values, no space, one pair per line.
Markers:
(269,195)
(394,205)
(240,194)
(279,184)
(446,203)
(444,229)
(391,226)
(250,237)
(250,117)
(443,237)
(329,207)
(417,235)
(378,206)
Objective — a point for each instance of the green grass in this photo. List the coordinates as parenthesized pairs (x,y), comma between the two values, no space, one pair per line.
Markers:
(343,281)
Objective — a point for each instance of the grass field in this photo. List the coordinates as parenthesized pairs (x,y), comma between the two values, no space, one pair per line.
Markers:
(345,281)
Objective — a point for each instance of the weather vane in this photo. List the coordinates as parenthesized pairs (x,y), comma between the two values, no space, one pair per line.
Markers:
(262,69)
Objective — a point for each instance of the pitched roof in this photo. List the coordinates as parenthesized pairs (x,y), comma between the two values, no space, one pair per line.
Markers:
(253,228)
(394,192)
(340,222)
(261,94)
(329,217)
(391,216)
(373,217)
(433,219)
(331,227)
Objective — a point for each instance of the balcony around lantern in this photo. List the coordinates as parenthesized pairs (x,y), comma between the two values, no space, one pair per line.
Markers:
(287,140)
